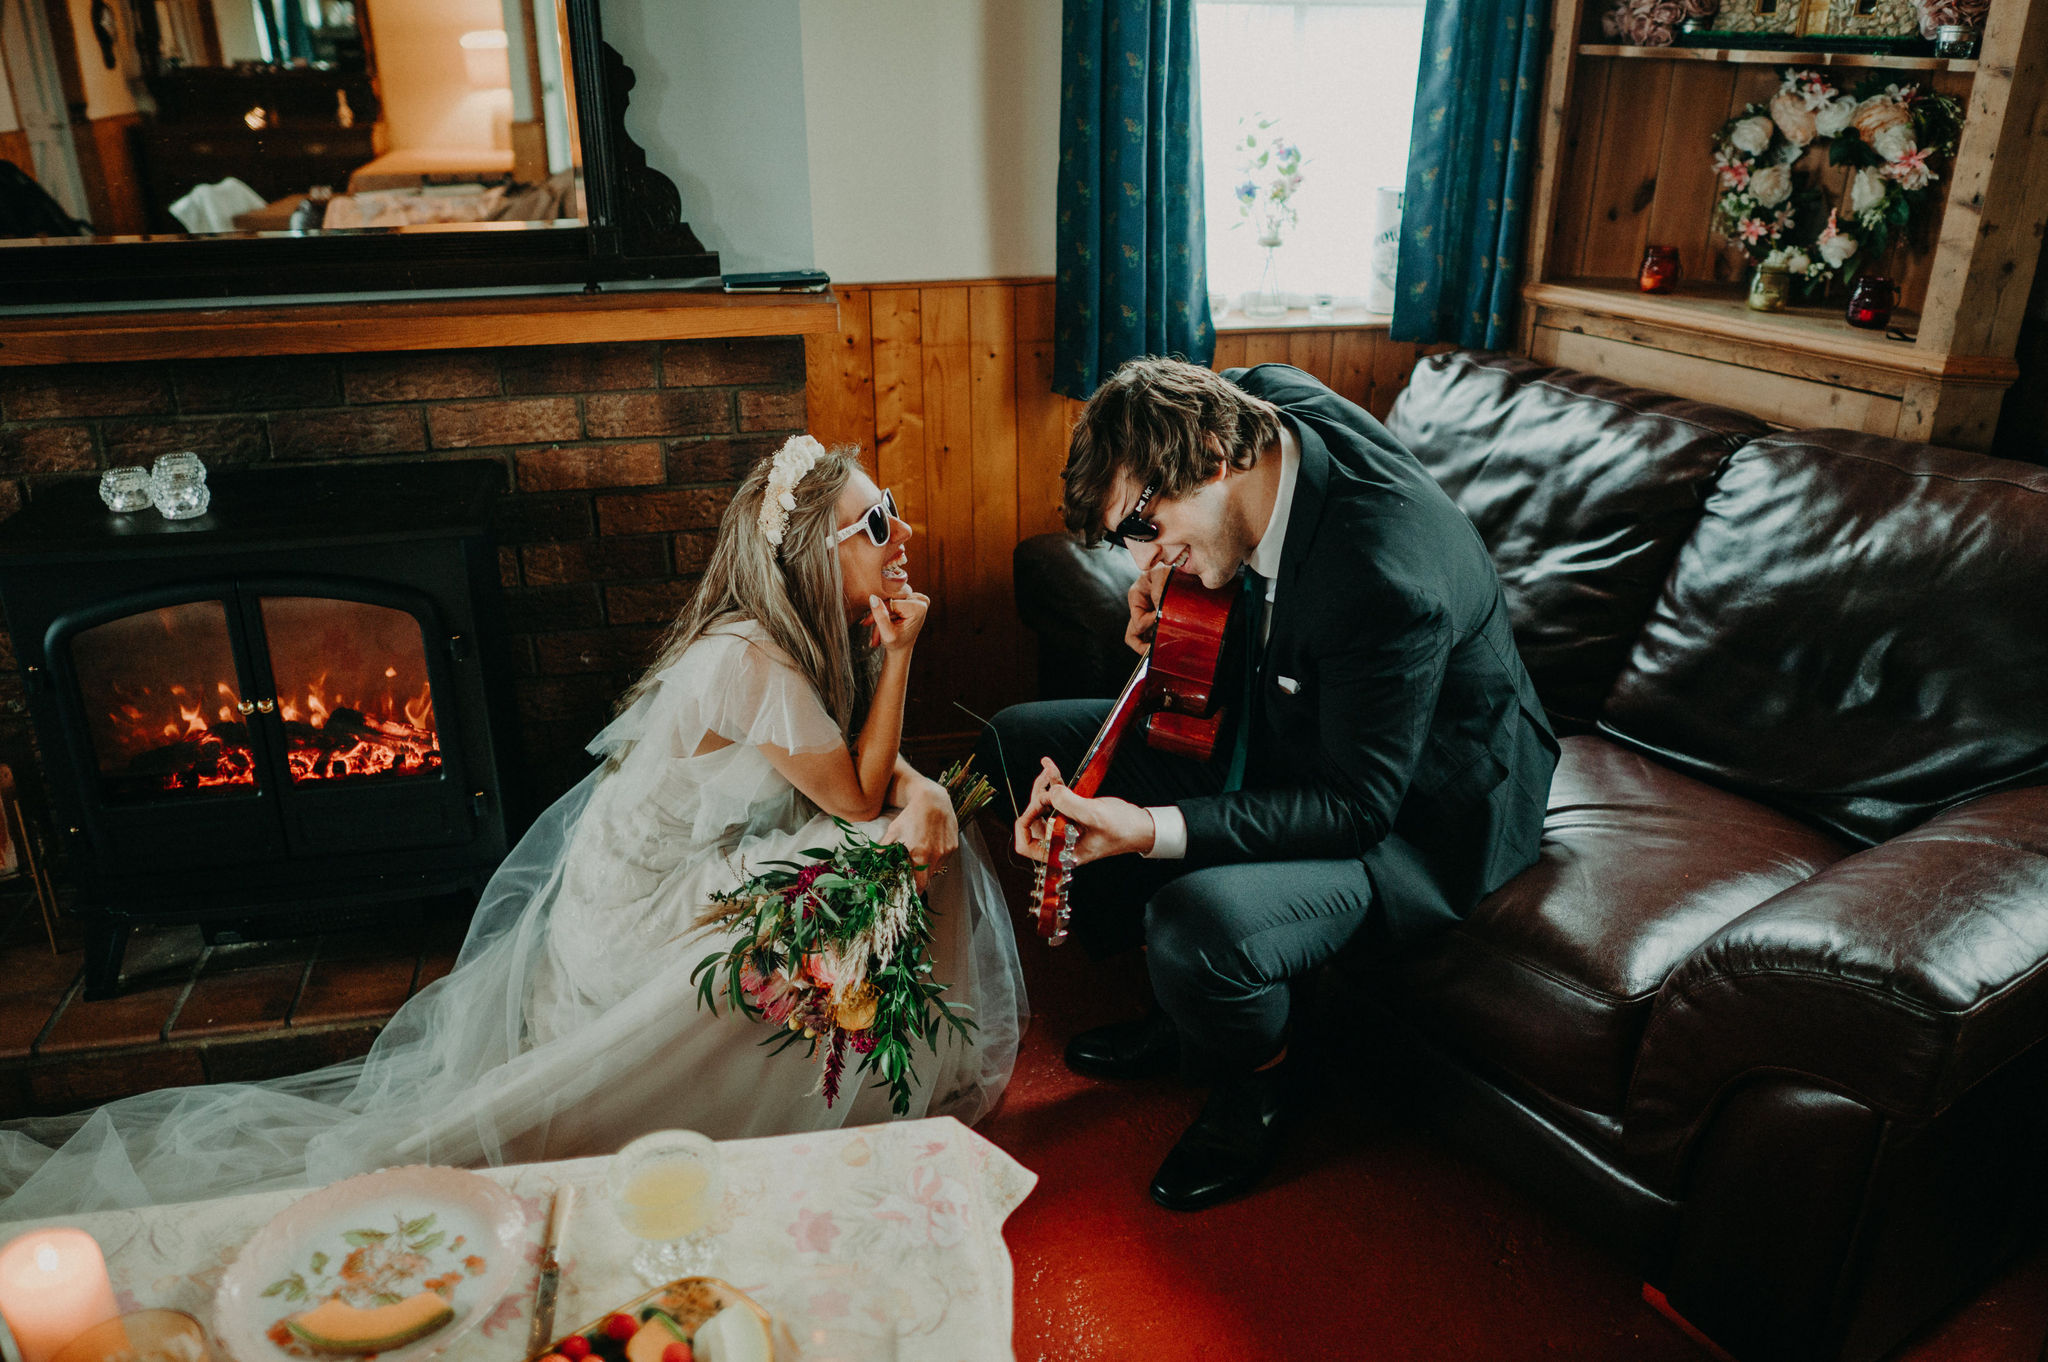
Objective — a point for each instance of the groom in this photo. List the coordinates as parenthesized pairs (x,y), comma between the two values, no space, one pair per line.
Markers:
(1386,764)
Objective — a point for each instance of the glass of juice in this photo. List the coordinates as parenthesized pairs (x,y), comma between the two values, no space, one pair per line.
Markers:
(665,1188)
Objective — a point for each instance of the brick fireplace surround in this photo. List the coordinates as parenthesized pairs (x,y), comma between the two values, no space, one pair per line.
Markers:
(619,458)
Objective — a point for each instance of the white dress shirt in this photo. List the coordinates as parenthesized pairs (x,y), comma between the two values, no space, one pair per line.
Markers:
(1169,827)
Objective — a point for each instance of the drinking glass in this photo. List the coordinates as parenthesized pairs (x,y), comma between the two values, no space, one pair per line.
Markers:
(125,489)
(664,1187)
(140,1336)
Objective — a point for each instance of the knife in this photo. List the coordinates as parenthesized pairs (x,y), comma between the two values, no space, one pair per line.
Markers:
(542,1332)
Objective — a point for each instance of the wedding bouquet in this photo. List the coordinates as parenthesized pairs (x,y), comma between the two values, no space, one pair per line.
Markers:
(836,952)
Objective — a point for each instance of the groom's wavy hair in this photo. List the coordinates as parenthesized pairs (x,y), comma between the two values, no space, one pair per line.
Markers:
(797,593)
(1152,419)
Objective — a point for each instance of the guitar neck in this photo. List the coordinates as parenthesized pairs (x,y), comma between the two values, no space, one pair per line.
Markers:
(1095,763)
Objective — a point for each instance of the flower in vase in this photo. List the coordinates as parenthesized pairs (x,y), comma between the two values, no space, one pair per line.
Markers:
(1752,230)
(1910,170)
(1771,186)
(1868,190)
(1752,134)
(1834,116)
(1270,167)
(1836,245)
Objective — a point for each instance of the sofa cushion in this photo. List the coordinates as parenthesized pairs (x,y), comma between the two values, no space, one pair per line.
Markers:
(1857,632)
(1551,978)
(1073,598)
(1582,489)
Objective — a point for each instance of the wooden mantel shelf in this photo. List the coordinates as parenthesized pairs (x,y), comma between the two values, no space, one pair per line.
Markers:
(425,324)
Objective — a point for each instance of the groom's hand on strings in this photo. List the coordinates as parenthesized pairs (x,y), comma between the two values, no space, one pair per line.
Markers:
(1108,827)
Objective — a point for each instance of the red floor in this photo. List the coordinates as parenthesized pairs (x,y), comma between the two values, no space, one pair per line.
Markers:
(1372,1242)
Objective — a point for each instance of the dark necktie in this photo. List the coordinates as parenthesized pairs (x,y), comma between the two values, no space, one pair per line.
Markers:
(1254,610)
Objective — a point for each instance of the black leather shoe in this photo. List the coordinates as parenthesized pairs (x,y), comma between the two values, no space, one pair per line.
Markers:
(1230,1146)
(1145,1048)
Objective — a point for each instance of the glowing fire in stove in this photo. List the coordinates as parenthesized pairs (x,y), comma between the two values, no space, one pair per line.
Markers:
(328,735)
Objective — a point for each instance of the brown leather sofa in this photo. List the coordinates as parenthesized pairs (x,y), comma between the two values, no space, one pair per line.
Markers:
(1767,1016)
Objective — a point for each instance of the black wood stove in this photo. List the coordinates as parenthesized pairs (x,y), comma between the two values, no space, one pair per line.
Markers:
(285,715)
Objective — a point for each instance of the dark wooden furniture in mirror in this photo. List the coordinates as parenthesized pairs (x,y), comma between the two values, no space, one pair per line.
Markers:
(345,155)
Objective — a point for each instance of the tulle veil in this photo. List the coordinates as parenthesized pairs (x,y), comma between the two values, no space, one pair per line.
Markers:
(456,1076)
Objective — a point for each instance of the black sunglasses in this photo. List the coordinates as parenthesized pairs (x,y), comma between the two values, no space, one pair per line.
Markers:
(1135,528)
(875,522)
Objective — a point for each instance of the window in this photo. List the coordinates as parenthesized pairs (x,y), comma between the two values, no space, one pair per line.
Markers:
(1339,79)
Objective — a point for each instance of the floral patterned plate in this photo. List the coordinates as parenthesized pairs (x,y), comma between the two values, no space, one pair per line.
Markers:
(374,1240)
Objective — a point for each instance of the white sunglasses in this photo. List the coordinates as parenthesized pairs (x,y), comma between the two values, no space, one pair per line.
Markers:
(875,521)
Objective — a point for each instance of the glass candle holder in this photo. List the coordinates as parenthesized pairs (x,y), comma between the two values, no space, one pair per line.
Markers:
(1770,290)
(1660,269)
(1322,307)
(140,1336)
(178,495)
(1871,301)
(180,461)
(665,1188)
(1958,42)
(125,489)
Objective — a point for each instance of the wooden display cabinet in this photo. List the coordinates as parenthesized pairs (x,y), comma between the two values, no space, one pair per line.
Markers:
(1626,160)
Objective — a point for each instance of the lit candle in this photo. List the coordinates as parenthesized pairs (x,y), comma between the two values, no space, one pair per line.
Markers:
(53,1287)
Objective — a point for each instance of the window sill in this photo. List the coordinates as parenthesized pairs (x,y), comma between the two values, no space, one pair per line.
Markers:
(1297,319)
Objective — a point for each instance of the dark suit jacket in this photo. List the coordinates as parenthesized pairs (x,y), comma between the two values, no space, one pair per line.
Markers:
(1413,739)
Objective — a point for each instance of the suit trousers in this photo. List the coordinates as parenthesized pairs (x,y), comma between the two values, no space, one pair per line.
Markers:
(1223,941)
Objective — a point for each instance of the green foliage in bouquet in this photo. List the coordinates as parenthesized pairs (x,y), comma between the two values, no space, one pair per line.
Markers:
(836,952)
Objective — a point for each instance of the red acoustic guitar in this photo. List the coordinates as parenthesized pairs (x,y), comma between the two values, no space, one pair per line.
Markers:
(1175,688)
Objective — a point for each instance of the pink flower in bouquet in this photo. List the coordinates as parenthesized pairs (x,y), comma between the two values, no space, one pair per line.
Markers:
(774,994)
(1752,230)
(1732,168)
(1910,170)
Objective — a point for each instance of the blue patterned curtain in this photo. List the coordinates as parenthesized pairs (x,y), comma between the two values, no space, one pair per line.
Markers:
(1133,270)
(1470,155)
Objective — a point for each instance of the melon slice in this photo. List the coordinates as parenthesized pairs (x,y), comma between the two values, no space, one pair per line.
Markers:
(335,1326)
(734,1334)
(652,1338)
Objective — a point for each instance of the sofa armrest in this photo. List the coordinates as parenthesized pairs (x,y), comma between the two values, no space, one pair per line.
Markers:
(1074,599)
(1899,976)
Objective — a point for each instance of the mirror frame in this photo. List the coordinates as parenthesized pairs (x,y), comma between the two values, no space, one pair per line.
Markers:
(634,230)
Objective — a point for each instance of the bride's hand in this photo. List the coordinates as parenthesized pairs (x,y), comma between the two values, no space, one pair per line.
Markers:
(928,827)
(896,621)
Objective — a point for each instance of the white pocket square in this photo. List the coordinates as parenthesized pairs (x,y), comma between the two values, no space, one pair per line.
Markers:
(1288,684)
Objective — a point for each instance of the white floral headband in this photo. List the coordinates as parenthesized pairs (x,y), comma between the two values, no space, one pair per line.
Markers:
(798,455)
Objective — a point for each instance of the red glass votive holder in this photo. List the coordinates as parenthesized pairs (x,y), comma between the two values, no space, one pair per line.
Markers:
(1660,269)
(1870,302)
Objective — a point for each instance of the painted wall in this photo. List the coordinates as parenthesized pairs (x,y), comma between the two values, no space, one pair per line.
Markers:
(933,136)
(435,92)
(10,120)
(880,140)
(235,21)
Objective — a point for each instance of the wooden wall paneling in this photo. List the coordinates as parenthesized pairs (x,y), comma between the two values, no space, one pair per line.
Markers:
(1351,358)
(1392,361)
(839,380)
(1587,124)
(1266,347)
(1042,419)
(115,137)
(1229,351)
(1310,351)
(1625,181)
(994,635)
(949,475)
(897,345)
(14,147)
(1683,211)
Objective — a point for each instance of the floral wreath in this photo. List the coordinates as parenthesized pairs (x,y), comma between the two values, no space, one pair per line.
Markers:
(1894,134)
(799,455)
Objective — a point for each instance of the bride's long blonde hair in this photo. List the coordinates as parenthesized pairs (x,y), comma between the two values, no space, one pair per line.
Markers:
(797,592)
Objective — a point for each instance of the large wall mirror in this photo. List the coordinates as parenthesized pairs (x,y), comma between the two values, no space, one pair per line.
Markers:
(206,148)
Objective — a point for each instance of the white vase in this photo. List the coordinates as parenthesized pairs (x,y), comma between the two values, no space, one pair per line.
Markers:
(1267,301)
(1386,249)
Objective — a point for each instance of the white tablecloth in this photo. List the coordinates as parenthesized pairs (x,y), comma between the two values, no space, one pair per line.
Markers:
(889,1231)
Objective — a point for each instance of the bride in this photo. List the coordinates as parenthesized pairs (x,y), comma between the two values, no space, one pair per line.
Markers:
(569,1024)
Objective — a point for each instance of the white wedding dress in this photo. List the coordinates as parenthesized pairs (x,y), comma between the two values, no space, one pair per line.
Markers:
(570,1024)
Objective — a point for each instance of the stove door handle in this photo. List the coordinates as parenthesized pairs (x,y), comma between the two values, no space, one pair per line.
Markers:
(264,706)
(245,707)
